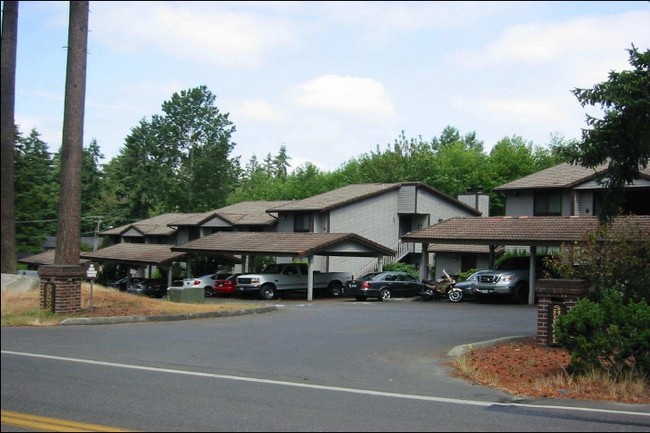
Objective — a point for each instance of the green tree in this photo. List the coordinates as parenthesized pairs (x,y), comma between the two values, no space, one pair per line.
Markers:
(621,138)
(192,152)
(36,193)
(177,162)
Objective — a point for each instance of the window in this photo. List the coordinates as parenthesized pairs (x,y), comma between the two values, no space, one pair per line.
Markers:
(302,222)
(548,203)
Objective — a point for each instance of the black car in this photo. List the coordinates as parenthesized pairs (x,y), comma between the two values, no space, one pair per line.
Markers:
(123,283)
(383,286)
(153,288)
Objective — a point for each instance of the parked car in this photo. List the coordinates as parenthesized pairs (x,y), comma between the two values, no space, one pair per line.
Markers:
(153,288)
(226,286)
(468,286)
(122,283)
(508,280)
(383,286)
(206,282)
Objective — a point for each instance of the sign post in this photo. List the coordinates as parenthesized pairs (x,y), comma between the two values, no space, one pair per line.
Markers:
(91,273)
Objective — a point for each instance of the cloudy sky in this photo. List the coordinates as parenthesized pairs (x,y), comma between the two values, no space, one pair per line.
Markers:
(330,80)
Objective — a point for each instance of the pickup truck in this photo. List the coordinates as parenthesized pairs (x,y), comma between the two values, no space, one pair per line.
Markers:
(510,279)
(290,277)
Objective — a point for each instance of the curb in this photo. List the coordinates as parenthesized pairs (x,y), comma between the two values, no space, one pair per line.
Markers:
(166,318)
(464,348)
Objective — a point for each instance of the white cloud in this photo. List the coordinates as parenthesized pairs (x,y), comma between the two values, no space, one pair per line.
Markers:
(514,110)
(539,43)
(205,34)
(258,110)
(345,95)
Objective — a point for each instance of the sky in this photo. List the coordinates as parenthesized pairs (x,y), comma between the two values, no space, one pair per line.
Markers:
(330,81)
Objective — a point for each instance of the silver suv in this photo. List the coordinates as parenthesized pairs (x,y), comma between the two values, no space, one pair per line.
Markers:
(510,279)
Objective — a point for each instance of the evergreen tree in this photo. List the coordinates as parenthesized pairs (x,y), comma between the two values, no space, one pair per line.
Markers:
(36,193)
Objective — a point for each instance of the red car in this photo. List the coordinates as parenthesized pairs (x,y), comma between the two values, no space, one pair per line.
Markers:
(227,286)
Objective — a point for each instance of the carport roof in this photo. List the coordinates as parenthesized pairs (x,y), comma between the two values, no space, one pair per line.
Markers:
(44,258)
(143,254)
(529,231)
(286,244)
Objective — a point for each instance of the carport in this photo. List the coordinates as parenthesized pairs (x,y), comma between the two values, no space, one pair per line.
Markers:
(145,255)
(533,232)
(299,245)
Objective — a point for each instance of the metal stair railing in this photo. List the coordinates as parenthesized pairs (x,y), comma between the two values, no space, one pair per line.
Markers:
(401,248)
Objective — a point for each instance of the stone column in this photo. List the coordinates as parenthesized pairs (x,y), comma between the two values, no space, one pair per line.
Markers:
(555,297)
(61,288)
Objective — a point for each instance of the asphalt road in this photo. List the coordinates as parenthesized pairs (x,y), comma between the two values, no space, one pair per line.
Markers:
(326,365)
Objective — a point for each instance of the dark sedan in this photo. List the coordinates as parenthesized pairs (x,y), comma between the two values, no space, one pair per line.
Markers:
(123,283)
(153,288)
(383,286)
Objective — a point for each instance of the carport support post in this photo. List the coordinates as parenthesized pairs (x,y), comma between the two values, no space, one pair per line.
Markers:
(424,262)
(533,276)
(310,278)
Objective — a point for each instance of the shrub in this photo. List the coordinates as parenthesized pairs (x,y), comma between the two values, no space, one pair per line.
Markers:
(610,336)
(402,267)
(608,258)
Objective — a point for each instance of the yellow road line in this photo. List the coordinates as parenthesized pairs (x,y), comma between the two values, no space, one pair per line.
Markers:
(44,423)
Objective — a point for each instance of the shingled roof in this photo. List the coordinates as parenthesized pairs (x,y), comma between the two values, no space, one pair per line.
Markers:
(144,254)
(286,244)
(155,226)
(560,176)
(537,231)
(44,258)
(246,213)
(356,192)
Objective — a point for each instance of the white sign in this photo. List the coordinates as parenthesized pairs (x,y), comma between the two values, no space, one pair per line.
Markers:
(91,272)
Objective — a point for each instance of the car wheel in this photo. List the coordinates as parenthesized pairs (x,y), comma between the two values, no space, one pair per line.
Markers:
(336,288)
(520,294)
(267,292)
(384,295)
(455,295)
(209,292)
(482,299)
(361,298)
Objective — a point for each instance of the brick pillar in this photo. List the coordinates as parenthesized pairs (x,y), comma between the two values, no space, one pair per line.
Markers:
(555,297)
(61,288)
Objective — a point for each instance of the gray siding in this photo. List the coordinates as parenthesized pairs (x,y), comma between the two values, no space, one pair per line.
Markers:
(374,218)
(451,262)
(407,199)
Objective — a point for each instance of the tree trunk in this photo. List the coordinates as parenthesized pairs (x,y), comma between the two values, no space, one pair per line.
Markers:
(7,136)
(68,237)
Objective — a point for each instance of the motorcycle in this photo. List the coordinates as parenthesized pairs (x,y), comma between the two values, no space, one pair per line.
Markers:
(442,288)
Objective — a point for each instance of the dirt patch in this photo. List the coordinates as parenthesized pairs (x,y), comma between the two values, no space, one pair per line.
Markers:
(525,368)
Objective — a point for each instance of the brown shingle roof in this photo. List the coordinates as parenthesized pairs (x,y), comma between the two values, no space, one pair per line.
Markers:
(156,226)
(144,254)
(44,258)
(244,213)
(552,230)
(356,192)
(288,244)
(560,176)
(462,248)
